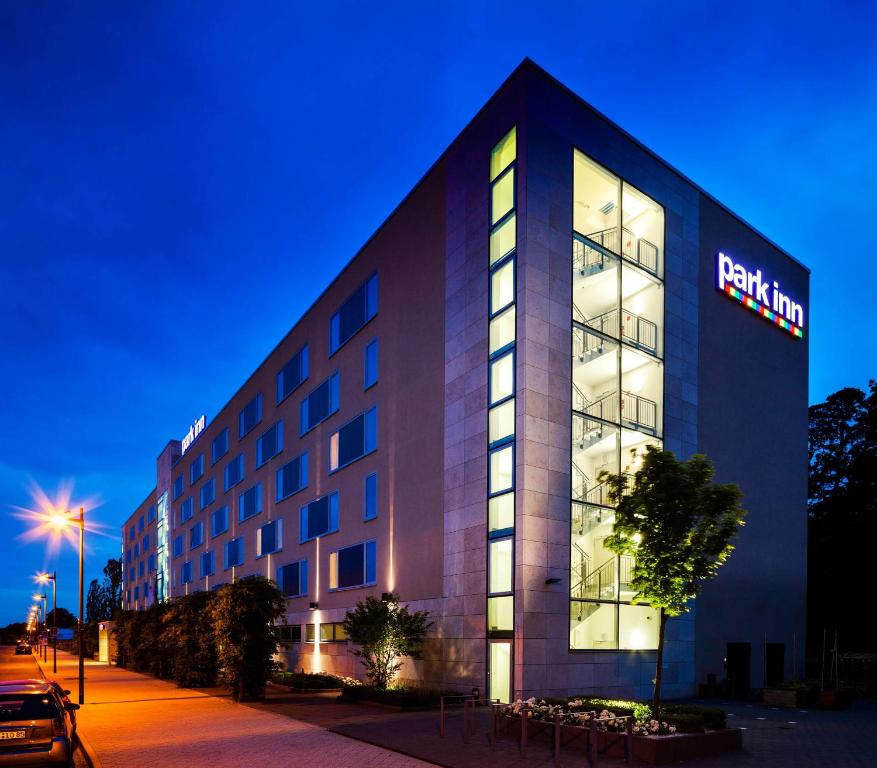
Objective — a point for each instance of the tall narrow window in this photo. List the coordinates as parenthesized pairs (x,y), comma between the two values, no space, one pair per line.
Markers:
(318,518)
(250,502)
(208,493)
(196,469)
(370,364)
(292,477)
(269,444)
(219,446)
(269,538)
(292,579)
(370,501)
(234,471)
(250,416)
(219,521)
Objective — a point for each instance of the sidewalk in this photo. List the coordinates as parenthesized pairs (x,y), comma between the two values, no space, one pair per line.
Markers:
(133,721)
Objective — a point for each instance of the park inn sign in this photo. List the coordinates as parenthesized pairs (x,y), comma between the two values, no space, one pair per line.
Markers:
(196,429)
(758,294)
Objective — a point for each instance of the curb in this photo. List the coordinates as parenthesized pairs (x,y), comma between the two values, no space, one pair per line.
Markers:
(87,750)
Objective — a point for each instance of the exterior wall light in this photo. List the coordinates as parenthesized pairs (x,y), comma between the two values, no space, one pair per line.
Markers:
(314,606)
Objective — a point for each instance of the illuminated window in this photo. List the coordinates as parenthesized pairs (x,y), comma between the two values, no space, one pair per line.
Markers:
(504,153)
(320,404)
(292,477)
(502,287)
(502,378)
(501,422)
(354,313)
(292,374)
(500,616)
(318,518)
(269,444)
(501,514)
(503,239)
(354,440)
(502,196)
(250,416)
(500,566)
(502,331)
(354,566)
(501,470)
(269,538)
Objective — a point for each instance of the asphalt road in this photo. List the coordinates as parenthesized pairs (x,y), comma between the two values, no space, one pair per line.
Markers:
(15,667)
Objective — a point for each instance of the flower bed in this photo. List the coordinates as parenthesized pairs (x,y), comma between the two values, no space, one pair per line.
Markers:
(572,725)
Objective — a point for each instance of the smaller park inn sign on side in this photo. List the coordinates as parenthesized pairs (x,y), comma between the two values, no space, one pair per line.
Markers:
(760,295)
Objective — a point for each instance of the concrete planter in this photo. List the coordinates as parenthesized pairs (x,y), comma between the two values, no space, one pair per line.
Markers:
(784,697)
(660,750)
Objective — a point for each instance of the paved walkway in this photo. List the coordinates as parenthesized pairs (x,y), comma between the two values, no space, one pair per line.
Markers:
(134,721)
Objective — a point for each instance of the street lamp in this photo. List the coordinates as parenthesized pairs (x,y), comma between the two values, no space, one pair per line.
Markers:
(43,597)
(60,521)
(43,578)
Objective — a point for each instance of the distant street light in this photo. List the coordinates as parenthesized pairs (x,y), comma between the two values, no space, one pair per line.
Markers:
(44,578)
(43,597)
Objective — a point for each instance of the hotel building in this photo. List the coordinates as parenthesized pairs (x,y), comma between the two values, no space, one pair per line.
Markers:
(548,300)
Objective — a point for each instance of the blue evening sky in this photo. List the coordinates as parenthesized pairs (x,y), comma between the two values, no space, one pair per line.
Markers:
(181,180)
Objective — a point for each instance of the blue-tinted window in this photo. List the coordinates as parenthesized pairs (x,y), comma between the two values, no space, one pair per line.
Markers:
(219,446)
(234,471)
(208,563)
(354,566)
(196,535)
(132,532)
(293,578)
(186,572)
(354,313)
(269,538)
(234,552)
(187,509)
(319,517)
(354,440)
(136,550)
(370,364)
(219,521)
(136,593)
(208,493)
(292,374)
(370,502)
(292,477)
(178,545)
(141,523)
(250,415)
(151,563)
(269,444)
(128,557)
(196,469)
(145,542)
(250,502)
(178,488)
(150,514)
(320,404)
(141,569)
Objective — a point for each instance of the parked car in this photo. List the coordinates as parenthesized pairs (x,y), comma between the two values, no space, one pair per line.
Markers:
(22,648)
(36,725)
(63,693)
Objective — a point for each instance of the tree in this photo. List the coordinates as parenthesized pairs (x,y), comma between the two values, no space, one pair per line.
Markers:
(95,601)
(243,615)
(385,633)
(113,585)
(188,632)
(66,620)
(678,525)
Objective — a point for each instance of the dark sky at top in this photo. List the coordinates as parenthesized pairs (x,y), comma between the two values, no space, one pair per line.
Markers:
(181,180)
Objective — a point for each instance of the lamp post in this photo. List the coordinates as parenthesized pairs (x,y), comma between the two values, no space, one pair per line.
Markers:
(53,577)
(43,597)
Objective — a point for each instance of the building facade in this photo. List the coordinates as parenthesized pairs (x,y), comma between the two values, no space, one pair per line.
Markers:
(550,299)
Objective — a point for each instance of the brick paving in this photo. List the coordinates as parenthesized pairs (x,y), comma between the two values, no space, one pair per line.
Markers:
(135,721)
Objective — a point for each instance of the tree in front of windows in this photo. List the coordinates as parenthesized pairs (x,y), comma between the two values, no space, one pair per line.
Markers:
(677,524)
(385,633)
(243,616)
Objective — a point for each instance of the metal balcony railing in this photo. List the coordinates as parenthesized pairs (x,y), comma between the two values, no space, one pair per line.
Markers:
(636,249)
(633,329)
(630,410)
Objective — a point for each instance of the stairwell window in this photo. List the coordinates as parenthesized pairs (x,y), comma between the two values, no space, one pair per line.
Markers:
(502,378)
(360,307)
(501,469)
(502,331)
(357,438)
(354,566)
(318,518)
(501,515)
(502,287)
(500,566)
(501,422)
(292,374)
(320,404)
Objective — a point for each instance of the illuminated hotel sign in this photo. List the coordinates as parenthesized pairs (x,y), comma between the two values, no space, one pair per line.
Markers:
(761,296)
(196,429)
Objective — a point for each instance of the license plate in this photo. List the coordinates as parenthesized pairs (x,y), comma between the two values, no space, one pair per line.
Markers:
(12,734)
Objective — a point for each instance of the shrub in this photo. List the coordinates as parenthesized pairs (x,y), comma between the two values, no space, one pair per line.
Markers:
(311,681)
(243,615)
(190,639)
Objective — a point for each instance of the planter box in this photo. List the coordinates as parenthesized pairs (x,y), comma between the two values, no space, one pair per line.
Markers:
(784,697)
(835,699)
(660,750)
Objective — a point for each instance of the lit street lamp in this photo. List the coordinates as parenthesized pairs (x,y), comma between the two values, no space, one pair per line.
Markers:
(60,521)
(43,597)
(43,578)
